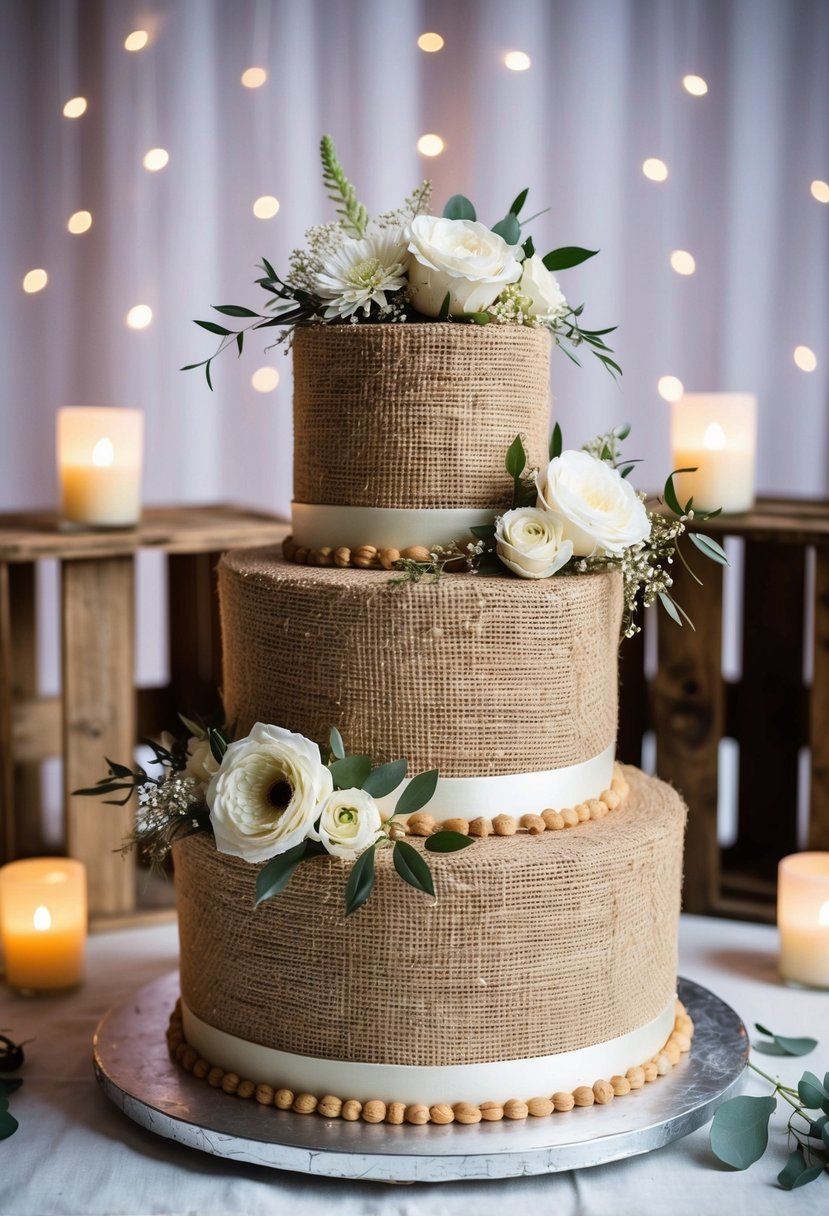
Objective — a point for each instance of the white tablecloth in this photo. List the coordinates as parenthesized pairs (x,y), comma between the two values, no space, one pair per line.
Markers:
(75,1153)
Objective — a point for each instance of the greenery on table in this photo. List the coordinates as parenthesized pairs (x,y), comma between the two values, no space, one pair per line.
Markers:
(12,1057)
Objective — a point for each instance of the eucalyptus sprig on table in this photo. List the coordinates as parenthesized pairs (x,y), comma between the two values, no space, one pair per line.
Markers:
(12,1057)
(740,1130)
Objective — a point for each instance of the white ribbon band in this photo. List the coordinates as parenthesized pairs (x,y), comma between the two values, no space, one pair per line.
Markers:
(473,1083)
(316,526)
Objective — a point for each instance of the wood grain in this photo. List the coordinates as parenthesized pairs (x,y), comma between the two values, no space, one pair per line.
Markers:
(819,709)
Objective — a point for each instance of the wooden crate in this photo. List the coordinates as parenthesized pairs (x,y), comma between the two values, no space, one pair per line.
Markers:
(771,711)
(98,712)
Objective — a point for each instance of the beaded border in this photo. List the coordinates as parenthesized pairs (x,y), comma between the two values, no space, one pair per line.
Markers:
(365,557)
(375,1111)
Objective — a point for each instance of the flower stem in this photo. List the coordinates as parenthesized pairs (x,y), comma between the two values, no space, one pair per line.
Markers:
(779,1087)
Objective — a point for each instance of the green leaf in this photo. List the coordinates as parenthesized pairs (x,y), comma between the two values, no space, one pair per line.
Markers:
(218,744)
(213,328)
(276,873)
(234,310)
(795,1172)
(417,793)
(710,549)
(811,1092)
(479,318)
(340,190)
(458,207)
(669,493)
(269,270)
(443,312)
(350,773)
(385,778)
(360,881)
(740,1130)
(207,374)
(508,228)
(556,442)
(529,248)
(483,531)
(609,363)
(817,1126)
(118,770)
(516,458)
(8,1085)
(567,256)
(240,340)
(448,842)
(519,202)
(782,1045)
(193,727)
(8,1123)
(626,471)
(412,868)
(335,742)
(670,607)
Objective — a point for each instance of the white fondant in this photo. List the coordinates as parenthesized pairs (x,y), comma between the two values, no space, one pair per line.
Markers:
(473,1083)
(516,793)
(315,526)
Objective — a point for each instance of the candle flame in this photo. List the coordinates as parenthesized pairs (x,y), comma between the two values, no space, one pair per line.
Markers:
(714,437)
(103,454)
(42,918)
(823,914)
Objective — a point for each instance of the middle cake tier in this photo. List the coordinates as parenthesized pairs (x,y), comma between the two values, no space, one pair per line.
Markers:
(508,687)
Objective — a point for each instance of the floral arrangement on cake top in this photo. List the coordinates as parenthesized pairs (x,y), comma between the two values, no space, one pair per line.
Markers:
(409,265)
(271,798)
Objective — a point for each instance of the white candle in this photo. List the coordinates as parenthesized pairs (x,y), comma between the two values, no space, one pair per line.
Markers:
(99,466)
(716,434)
(803,918)
(43,922)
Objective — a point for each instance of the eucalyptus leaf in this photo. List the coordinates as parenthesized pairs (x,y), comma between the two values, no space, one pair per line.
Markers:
(782,1045)
(811,1092)
(519,202)
(669,493)
(509,228)
(792,1170)
(516,458)
(8,1123)
(417,793)
(443,313)
(447,842)
(567,256)
(740,1130)
(360,881)
(276,873)
(213,328)
(234,310)
(670,607)
(350,773)
(412,868)
(556,442)
(335,742)
(710,549)
(385,778)
(458,207)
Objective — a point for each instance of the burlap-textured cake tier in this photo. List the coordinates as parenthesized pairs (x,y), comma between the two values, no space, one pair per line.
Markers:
(477,677)
(534,946)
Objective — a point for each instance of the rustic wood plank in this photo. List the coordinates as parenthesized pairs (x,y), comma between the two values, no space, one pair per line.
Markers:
(7,817)
(633,695)
(195,634)
(98,661)
(819,709)
(27,775)
(688,710)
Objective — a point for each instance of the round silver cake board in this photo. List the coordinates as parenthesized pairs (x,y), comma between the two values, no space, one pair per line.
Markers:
(133,1067)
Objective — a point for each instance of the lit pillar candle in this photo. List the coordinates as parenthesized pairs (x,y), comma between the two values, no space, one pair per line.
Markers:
(99,466)
(803,918)
(716,434)
(43,923)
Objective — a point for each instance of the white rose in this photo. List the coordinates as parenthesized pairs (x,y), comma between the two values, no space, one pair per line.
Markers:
(529,542)
(540,286)
(600,512)
(463,257)
(201,763)
(349,822)
(265,797)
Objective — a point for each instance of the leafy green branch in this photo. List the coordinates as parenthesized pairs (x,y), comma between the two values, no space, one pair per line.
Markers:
(12,1057)
(353,214)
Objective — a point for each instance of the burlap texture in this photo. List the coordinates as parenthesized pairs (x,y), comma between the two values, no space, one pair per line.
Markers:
(415,415)
(474,676)
(534,945)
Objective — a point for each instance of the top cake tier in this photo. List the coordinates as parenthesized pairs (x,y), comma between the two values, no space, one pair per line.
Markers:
(400,430)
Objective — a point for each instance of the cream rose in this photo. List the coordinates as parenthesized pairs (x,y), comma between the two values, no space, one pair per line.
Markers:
(529,542)
(349,822)
(463,257)
(266,795)
(201,765)
(599,511)
(541,288)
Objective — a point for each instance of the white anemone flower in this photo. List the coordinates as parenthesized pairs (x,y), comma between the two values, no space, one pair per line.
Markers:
(361,272)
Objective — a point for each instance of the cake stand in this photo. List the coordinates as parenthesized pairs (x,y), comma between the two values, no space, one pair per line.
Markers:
(136,1073)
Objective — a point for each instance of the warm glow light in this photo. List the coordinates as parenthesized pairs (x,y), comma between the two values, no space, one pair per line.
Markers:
(695,85)
(156,159)
(136,41)
(820,191)
(669,388)
(254,78)
(80,221)
(266,207)
(517,61)
(35,280)
(74,107)
(805,358)
(140,316)
(655,169)
(430,145)
(103,454)
(683,262)
(42,918)
(265,379)
(823,914)
(430,42)
(713,440)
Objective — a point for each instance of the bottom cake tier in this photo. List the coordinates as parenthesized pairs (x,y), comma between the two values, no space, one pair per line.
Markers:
(545,962)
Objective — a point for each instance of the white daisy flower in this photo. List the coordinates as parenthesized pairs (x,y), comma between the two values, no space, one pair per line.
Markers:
(361,272)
